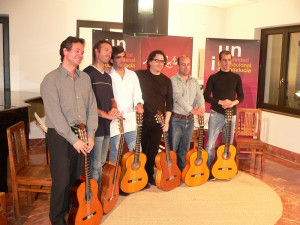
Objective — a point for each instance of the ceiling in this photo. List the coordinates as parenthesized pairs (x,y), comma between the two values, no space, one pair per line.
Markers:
(219,3)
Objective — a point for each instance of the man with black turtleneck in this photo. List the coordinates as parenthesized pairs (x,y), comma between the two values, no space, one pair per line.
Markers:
(157,94)
(227,91)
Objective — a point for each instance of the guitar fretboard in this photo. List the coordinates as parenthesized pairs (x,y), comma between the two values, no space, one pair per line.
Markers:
(200,138)
(166,139)
(228,130)
(120,149)
(82,136)
(138,145)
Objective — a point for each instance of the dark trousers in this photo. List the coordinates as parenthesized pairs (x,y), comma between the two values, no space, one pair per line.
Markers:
(64,169)
(151,136)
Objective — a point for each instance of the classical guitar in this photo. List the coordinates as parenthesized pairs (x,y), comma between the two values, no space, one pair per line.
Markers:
(224,167)
(109,190)
(168,175)
(86,207)
(196,171)
(133,175)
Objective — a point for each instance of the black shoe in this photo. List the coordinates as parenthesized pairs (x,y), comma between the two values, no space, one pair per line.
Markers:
(151,181)
(122,193)
(212,178)
(147,186)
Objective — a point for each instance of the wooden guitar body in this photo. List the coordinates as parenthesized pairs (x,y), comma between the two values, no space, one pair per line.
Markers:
(134,176)
(196,171)
(109,191)
(224,167)
(82,211)
(168,175)
(86,208)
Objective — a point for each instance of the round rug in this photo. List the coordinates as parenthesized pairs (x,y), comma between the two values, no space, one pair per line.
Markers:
(242,200)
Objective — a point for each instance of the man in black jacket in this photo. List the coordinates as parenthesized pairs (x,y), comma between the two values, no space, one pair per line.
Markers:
(157,94)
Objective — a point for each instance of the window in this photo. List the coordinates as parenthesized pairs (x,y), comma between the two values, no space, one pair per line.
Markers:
(279,75)
(4,62)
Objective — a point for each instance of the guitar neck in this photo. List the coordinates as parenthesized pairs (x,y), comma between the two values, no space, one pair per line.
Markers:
(119,155)
(165,134)
(200,142)
(228,134)
(87,173)
(83,137)
(138,145)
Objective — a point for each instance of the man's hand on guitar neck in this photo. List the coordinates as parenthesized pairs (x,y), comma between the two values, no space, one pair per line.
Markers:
(82,147)
(167,119)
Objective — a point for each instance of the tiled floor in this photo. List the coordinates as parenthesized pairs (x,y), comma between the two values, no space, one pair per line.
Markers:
(281,175)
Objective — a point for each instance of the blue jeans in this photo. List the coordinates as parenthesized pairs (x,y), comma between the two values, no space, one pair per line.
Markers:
(130,138)
(98,157)
(216,123)
(180,136)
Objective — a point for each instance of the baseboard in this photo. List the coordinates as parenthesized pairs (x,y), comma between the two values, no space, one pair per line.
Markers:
(283,154)
(37,142)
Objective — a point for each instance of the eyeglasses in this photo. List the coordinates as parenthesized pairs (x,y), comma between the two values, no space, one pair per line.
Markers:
(159,61)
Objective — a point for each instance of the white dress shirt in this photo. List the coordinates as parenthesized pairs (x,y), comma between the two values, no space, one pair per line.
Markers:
(128,94)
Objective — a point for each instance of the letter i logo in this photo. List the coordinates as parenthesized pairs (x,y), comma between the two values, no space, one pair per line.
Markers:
(213,62)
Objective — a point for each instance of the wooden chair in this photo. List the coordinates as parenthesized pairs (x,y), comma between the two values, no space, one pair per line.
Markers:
(247,136)
(25,177)
(3,217)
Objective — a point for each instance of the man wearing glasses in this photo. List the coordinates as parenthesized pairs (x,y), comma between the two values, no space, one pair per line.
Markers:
(157,95)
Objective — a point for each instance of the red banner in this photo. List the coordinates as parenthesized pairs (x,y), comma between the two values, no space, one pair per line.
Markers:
(138,48)
(245,62)
(172,46)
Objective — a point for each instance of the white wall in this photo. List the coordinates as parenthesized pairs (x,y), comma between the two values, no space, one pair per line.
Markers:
(197,21)
(241,22)
(38,27)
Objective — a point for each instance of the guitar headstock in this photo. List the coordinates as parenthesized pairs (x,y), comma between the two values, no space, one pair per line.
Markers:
(139,119)
(160,118)
(121,127)
(80,131)
(201,121)
(229,113)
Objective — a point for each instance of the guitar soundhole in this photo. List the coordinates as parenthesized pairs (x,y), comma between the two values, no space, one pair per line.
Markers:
(135,166)
(226,155)
(198,162)
(88,197)
(169,163)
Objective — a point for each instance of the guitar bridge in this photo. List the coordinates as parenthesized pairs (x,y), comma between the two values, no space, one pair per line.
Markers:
(134,180)
(111,198)
(171,178)
(224,168)
(197,175)
(89,216)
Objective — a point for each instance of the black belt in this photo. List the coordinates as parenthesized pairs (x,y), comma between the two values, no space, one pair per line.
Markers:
(182,116)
